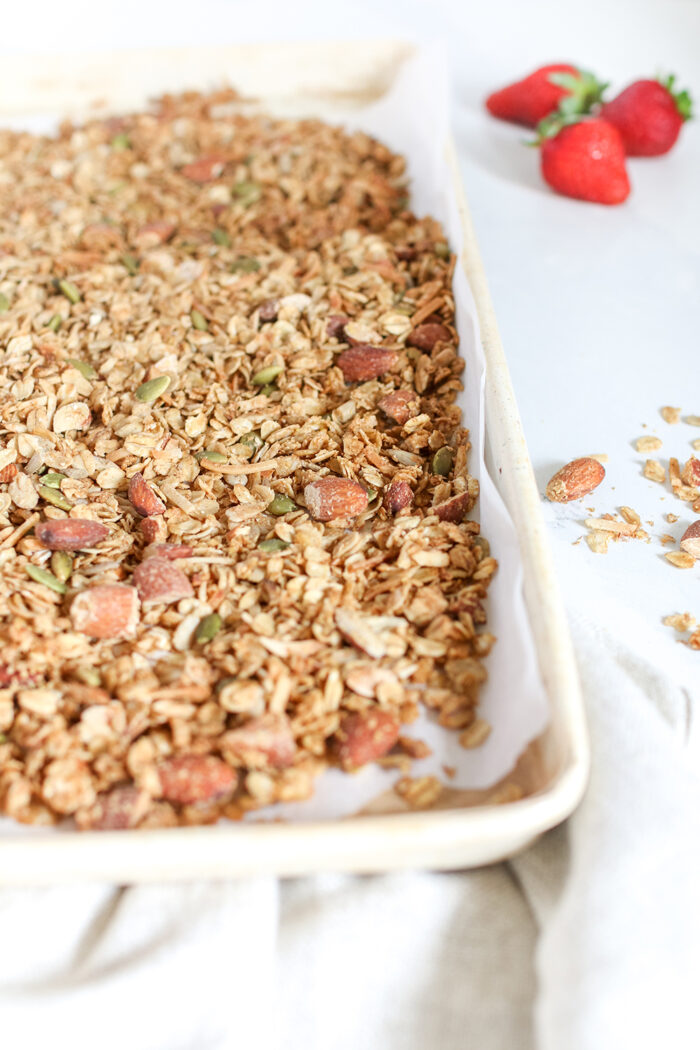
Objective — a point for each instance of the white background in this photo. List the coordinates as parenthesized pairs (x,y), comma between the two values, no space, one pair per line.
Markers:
(599,308)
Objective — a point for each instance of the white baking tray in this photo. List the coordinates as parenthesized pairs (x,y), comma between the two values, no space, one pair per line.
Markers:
(552,771)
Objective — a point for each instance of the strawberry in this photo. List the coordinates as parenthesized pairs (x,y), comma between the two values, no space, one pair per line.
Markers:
(549,88)
(649,116)
(584,159)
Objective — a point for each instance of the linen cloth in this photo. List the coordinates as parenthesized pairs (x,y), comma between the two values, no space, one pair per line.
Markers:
(589,940)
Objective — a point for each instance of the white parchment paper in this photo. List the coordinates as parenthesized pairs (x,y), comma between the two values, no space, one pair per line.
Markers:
(413,119)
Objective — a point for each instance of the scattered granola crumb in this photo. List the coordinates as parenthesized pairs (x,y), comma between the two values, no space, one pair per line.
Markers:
(696,444)
(681,559)
(476,734)
(654,471)
(671,518)
(680,621)
(602,457)
(419,792)
(666,539)
(507,792)
(450,772)
(693,421)
(669,414)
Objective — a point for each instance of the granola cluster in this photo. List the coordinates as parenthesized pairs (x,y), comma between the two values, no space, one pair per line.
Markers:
(235,541)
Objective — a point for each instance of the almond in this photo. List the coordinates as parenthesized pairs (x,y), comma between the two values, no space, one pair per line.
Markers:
(205,169)
(400,405)
(154,529)
(426,336)
(454,508)
(363,362)
(397,496)
(107,611)
(691,472)
(333,497)
(187,779)
(70,534)
(364,737)
(690,540)
(171,551)
(154,233)
(121,807)
(261,743)
(575,480)
(158,580)
(8,473)
(142,497)
(335,326)
(267,311)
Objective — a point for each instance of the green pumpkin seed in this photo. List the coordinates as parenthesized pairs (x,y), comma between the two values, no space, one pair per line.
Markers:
(3,738)
(247,192)
(442,461)
(70,290)
(221,238)
(208,628)
(121,141)
(131,264)
(404,308)
(4,303)
(86,370)
(54,496)
(245,265)
(47,578)
(152,389)
(55,323)
(53,479)
(62,565)
(442,250)
(199,321)
(252,441)
(211,454)
(371,494)
(269,389)
(267,375)
(89,675)
(273,545)
(281,504)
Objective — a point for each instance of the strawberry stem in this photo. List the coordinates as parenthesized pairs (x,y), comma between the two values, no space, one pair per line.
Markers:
(683,99)
(584,91)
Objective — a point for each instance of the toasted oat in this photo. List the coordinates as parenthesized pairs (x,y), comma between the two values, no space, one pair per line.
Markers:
(670,414)
(476,734)
(234,296)
(666,539)
(693,421)
(654,471)
(680,621)
(419,792)
(696,444)
(648,444)
(681,559)
(598,541)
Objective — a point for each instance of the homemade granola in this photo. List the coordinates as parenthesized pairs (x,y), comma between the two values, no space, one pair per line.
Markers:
(234,487)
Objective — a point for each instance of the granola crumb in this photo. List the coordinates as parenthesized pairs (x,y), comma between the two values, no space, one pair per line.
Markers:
(654,471)
(476,734)
(648,444)
(419,792)
(680,621)
(670,414)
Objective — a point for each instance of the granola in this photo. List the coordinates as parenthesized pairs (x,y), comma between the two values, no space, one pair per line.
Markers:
(234,484)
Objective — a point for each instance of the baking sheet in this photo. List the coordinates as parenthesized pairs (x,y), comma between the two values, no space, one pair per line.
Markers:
(412,118)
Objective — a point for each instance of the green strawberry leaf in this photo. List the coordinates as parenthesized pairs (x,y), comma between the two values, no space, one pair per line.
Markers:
(584,91)
(683,99)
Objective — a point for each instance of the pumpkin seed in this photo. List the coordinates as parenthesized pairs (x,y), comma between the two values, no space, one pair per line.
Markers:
(442,250)
(4,303)
(86,370)
(62,565)
(53,479)
(442,461)
(152,389)
(221,238)
(208,628)
(273,545)
(252,441)
(70,290)
(280,505)
(245,265)
(131,264)
(121,141)
(247,192)
(371,494)
(199,321)
(89,675)
(54,496)
(47,578)
(55,323)
(211,454)
(266,375)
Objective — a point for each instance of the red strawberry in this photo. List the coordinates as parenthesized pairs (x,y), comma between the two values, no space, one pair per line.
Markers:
(585,160)
(530,100)
(649,116)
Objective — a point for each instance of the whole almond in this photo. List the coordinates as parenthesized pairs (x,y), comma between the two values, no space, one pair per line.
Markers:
(70,534)
(400,405)
(171,551)
(332,497)
(142,497)
(397,496)
(158,580)
(363,362)
(575,480)
(454,508)
(114,810)
(365,737)
(107,611)
(261,743)
(187,779)
(426,336)
(690,540)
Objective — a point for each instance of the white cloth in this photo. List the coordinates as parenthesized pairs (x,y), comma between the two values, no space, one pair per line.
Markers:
(590,940)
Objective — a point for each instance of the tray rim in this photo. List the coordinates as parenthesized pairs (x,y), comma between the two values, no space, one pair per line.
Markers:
(443,839)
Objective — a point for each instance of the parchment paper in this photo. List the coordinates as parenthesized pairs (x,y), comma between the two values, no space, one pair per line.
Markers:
(413,119)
